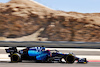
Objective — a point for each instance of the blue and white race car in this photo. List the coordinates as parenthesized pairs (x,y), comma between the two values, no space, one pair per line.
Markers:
(39,54)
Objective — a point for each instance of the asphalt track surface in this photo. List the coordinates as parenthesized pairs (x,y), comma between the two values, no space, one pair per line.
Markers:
(32,64)
(83,52)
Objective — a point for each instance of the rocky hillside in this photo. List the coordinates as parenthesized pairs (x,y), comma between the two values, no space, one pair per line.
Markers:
(20,18)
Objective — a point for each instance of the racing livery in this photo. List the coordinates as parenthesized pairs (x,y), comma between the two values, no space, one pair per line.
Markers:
(39,54)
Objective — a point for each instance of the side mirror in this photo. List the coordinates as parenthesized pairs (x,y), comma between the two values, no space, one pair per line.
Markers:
(56,50)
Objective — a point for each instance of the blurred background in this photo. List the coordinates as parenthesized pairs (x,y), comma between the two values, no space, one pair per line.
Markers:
(46,20)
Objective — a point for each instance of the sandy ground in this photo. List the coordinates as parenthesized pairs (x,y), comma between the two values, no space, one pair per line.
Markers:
(32,37)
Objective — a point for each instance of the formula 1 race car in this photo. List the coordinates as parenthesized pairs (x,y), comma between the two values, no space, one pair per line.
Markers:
(39,54)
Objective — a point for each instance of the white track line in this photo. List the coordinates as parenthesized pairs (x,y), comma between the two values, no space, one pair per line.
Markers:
(4,59)
(73,49)
(68,49)
(4,56)
(89,57)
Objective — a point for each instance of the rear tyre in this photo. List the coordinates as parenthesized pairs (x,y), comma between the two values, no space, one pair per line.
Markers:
(15,58)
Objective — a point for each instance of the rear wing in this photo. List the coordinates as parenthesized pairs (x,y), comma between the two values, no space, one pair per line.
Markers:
(11,50)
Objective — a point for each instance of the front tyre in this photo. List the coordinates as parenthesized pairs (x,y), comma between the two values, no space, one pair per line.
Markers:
(69,58)
(16,57)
